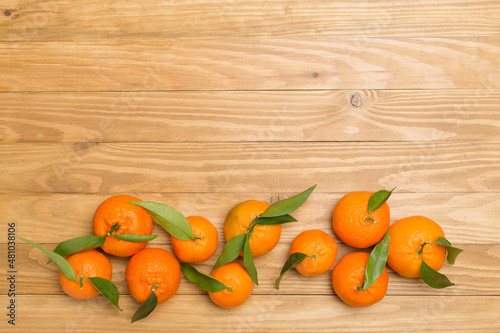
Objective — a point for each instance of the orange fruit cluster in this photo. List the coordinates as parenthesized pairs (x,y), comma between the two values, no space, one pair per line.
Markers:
(312,252)
(359,228)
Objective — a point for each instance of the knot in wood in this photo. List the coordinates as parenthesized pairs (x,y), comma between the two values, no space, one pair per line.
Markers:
(356,100)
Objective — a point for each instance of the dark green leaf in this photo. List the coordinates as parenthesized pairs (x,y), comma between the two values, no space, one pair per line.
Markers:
(275,220)
(294,259)
(146,308)
(453,252)
(78,244)
(107,289)
(378,199)
(443,241)
(170,219)
(232,250)
(248,260)
(64,266)
(287,206)
(202,280)
(376,262)
(135,238)
(433,278)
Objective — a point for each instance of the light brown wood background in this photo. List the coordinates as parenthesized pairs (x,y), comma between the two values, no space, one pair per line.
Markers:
(204,104)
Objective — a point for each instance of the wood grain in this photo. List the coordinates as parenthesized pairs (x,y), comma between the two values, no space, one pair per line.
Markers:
(63,20)
(251,64)
(265,313)
(249,167)
(476,272)
(384,115)
(468,218)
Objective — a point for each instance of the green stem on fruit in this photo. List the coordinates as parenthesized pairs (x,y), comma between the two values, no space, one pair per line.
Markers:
(155,286)
(369,218)
(115,227)
(81,278)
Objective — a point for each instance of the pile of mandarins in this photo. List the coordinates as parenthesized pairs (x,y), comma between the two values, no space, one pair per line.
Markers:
(122,226)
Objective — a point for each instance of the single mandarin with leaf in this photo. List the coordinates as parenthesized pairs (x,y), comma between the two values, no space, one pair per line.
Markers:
(321,249)
(264,237)
(236,277)
(153,268)
(349,275)
(354,225)
(202,247)
(116,211)
(89,263)
(407,237)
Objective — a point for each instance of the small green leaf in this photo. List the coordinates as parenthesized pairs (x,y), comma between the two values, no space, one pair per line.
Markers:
(202,280)
(232,250)
(378,199)
(433,278)
(64,265)
(78,244)
(287,206)
(146,308)
(170,219)
(135,238)
(453,252)
(107,289)
(275,220)
(443,241)
(248,260)
(377,261)
(294,259)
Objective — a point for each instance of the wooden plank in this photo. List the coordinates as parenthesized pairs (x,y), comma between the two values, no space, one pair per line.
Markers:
(264,314)
(57,19)
(467,218)
(251,64)
(476,272)
(384,115)
(249,167)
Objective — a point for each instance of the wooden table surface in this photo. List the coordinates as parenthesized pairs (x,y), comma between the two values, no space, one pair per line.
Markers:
(203,104)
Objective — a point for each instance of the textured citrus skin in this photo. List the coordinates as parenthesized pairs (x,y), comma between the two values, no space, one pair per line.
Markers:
(149,267)
(233,275)
(317,244)
(201,249)
(238,219)
(349,273)
(90,263)
(406,237)
(349,223)
(132,219)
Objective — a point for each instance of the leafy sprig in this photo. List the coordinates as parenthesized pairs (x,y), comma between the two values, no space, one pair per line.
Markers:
(431,276)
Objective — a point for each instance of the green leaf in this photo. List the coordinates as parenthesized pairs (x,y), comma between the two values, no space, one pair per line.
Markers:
(64,266)
(170,219)
(146,308)
(453,252)
(248,260)
(232,250)
(294,259)
(377,261)
(275,220)
(202,280)
(433,278)
(287,206)
(78,244)
(135,238)
(107,289)
(378,199)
